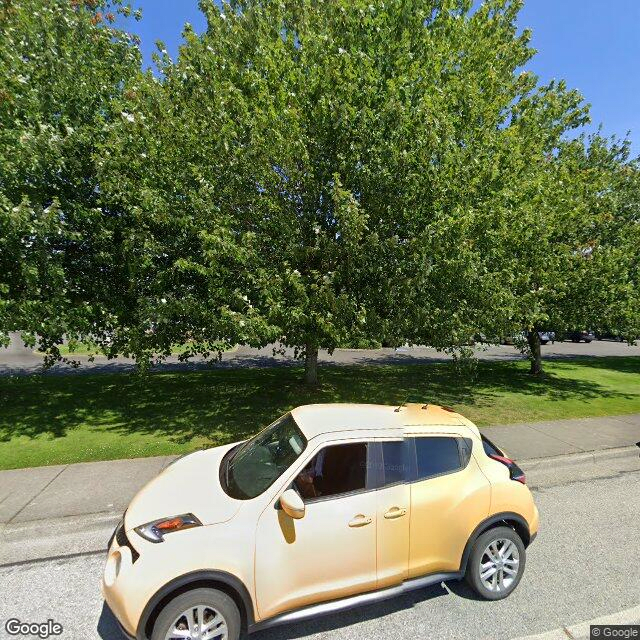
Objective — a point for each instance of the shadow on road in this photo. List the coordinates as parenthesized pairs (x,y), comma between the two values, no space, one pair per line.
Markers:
(8,369)
(108,628)
(350,617)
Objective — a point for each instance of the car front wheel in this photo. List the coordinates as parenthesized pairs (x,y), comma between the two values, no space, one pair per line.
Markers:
(496,563)
(200,614)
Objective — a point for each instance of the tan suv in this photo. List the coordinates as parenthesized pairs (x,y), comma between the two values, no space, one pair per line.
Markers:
(328,507)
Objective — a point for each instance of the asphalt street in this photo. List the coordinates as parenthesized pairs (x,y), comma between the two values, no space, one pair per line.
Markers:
(18,360)
(583,565)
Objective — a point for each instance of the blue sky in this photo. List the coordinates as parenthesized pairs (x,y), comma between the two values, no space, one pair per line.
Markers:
(593,44)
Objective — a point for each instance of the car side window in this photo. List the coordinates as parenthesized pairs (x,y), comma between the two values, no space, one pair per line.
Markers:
(437,455)
(395,462)
(333,471)
(466,447)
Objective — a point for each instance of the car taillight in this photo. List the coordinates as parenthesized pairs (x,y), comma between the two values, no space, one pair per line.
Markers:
(515,472)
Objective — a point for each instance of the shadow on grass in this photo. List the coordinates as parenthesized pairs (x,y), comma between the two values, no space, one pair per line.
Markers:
(630,364)
(220,406)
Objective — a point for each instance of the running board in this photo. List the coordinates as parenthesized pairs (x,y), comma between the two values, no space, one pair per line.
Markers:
(368,597)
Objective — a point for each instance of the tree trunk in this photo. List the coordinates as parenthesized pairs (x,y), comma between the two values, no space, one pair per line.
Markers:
(311,365)
(533,339)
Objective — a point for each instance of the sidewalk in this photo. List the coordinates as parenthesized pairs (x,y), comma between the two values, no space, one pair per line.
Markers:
(92,488)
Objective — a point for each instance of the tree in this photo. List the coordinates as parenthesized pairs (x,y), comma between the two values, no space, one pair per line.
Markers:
(319,172)
(584,272)
(569,259)
(350,153)
(62,63)
(181,188)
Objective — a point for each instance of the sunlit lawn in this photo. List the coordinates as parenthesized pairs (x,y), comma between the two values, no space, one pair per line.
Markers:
(61,419)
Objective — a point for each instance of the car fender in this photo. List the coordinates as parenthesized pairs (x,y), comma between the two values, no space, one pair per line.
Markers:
(522,528)
(190,580)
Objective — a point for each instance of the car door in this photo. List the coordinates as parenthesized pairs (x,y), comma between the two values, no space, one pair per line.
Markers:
(393,511)
(331,551)
(449,497)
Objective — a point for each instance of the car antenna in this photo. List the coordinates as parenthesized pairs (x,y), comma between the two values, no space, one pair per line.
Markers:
(397,409)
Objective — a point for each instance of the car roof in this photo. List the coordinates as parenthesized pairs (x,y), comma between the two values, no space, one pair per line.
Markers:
(317,419)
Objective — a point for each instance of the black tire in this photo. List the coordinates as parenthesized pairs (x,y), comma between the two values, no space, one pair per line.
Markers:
(216,600)
(473,566)
(544,342)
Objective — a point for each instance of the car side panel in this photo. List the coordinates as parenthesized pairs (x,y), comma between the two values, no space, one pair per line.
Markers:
(445,510)
(506,494)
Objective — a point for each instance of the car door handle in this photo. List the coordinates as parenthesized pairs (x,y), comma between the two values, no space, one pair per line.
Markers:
(360,521)
(395,512)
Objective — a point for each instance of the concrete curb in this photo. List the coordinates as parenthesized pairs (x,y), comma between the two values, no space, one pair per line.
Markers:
(580,458)
(45,540)
(581,631)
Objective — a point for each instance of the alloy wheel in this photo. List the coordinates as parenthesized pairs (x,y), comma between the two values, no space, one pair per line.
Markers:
(198,623)
(499,565)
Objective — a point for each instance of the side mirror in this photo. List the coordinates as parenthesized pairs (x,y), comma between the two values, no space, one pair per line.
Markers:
(292,504)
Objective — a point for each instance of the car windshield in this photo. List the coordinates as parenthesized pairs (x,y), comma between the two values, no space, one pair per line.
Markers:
(259,462)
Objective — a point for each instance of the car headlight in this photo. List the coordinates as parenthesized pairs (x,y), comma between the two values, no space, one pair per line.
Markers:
(156,530)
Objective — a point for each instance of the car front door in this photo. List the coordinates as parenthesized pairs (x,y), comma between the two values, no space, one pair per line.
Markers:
(331,551)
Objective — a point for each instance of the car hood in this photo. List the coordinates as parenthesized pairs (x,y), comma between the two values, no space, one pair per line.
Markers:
(189,485)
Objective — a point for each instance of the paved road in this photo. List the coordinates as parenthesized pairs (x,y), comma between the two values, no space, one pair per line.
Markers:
(584,564)
(18,360)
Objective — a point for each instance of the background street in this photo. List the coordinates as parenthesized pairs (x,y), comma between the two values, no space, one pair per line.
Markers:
(584,564)
(16,359)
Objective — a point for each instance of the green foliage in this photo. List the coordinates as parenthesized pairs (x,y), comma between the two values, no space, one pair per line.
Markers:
(316,173)
(574,256)
(329,165)
(62,63)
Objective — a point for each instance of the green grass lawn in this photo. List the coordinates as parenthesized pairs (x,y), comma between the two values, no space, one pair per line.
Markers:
(72,418)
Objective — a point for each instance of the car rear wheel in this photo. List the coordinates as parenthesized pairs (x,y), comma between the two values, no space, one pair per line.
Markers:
(496,563)
(200,614)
